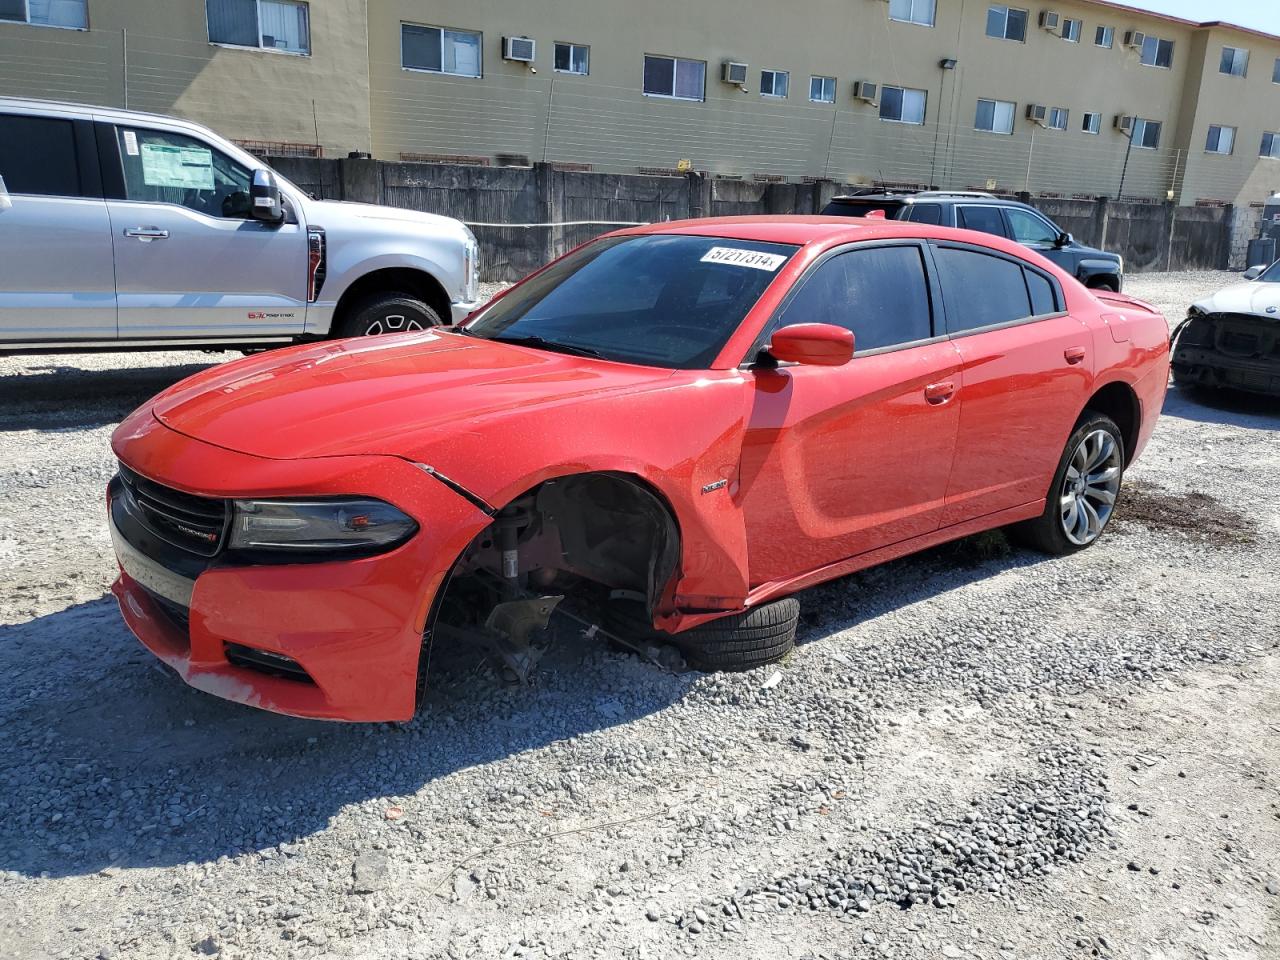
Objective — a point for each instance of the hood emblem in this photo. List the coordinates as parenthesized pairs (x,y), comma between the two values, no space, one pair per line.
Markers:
(1272,309)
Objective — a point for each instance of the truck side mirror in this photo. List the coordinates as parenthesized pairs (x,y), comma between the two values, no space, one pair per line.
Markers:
(1065,239)
(265,194)
(1253,273)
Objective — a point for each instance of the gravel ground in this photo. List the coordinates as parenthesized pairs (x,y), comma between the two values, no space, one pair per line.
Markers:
(975,752)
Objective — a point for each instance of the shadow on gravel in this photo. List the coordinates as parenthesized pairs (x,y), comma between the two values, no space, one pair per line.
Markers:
(109,760)
(55,396)
(1223,406)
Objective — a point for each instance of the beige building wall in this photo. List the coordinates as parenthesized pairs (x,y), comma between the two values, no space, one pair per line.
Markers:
(156,56)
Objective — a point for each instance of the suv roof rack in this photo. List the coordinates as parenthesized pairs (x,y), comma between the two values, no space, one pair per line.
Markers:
(872,193)
(956,193)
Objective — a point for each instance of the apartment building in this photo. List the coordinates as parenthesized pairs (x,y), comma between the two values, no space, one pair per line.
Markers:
(1068,97)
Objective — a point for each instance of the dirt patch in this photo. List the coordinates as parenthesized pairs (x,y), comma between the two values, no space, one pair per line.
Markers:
(1192,514)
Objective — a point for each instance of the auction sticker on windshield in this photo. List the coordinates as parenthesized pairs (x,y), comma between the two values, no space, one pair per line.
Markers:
(744,258)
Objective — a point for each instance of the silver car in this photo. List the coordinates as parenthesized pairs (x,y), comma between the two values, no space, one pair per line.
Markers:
(127,230)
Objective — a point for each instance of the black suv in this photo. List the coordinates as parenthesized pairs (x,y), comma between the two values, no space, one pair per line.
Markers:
(990,214)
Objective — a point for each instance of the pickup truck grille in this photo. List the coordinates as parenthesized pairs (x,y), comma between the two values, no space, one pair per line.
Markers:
(195,524)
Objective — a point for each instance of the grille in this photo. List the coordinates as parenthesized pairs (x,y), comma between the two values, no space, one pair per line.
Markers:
(195,524)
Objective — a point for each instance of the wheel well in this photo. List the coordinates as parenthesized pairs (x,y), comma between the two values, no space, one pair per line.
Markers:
(1120,403)
(419,283)
(1093,281)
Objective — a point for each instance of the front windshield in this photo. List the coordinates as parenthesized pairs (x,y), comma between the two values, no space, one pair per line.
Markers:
(660,300)
(1271,274)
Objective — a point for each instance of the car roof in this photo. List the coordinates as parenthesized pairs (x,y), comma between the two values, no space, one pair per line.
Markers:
(797,230)
(89,109)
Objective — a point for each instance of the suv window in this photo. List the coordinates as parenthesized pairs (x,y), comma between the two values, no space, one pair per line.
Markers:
(984,219)
(981,290)
(162,167)
(1028,228)
(38,156)
(925,213)
(880,293)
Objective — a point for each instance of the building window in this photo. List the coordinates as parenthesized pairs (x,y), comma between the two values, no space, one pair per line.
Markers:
(822,89)
(1058,117)
(573,58)
(1071,30)
(913,11)
(1006,23)
(1157,52)
(440,50)
(675,78)
(1221,140)
(1235,62)
(1105,37)
(774,83)
(1275,72)
(995,116)
(902,105)
(283,25)
(1092,123)
(1270,146)
(71,14)
(1146,134)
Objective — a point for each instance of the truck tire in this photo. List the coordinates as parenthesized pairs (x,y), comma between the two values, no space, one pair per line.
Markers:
(741,641)
(390,312)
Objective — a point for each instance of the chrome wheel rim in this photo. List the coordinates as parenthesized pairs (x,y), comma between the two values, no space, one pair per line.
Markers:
(393,323)
(1090,487)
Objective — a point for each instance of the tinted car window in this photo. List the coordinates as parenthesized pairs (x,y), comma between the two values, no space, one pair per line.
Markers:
(1030,229)
(985,219)
(38,156)
(926,213)
(879,293)
(981,290)
(659,299)
(1044,298)
(161,167)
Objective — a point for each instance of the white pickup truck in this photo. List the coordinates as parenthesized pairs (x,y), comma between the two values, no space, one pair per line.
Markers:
(123,230)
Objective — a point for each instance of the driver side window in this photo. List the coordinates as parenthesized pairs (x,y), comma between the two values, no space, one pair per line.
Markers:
(1030,229)
(163,167)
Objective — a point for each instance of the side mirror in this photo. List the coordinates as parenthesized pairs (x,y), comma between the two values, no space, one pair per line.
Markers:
(1065,239)
(265,193)
(819,344)
(1253,273)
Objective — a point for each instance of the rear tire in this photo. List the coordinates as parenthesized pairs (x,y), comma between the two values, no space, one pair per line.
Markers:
(741,641)
(389,312)
(1084,491)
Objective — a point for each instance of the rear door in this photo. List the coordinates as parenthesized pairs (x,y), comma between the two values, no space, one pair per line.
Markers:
(190,262)
(985,218)
(841,460)
(1026,369)
(57,281)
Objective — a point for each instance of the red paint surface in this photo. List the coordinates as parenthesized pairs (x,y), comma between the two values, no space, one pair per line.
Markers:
(831,468)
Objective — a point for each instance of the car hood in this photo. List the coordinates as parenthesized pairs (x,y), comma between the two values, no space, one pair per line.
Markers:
(1249,296)
(379,395)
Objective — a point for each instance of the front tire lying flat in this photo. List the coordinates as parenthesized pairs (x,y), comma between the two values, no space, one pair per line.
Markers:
(1084,491)
(741,641)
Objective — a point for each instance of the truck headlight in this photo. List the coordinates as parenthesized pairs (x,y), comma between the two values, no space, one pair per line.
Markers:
(471,266)
(344,526)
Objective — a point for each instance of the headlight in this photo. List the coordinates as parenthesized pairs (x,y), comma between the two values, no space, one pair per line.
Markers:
(471,257)
(318,526)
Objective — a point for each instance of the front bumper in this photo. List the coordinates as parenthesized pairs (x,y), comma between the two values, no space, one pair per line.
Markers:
(350,632)
(1210,368)
(462,309)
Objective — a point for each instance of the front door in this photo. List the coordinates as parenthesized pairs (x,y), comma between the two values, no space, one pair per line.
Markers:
(1026,373)
(841,460)
(57,281)
(1034,231)
(190,262)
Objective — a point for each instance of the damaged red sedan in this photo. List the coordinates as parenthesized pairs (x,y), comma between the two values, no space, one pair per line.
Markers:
(668,431)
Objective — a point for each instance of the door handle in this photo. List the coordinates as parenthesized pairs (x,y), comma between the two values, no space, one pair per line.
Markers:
(146,233)
(1073,354)
(939,393)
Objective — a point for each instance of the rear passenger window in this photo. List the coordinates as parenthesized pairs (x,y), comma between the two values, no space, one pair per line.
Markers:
(38,156)
(880,293)
(985,219)
(926,213)
(981,290)
(1044,298)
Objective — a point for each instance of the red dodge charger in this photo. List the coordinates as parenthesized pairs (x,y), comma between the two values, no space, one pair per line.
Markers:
(668,432)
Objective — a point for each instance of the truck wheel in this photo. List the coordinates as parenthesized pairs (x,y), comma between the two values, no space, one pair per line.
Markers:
(392,312)
(740,641)
(1103,285)
(1082,496)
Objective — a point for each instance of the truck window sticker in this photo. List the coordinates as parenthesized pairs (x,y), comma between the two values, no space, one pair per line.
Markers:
(187,168)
